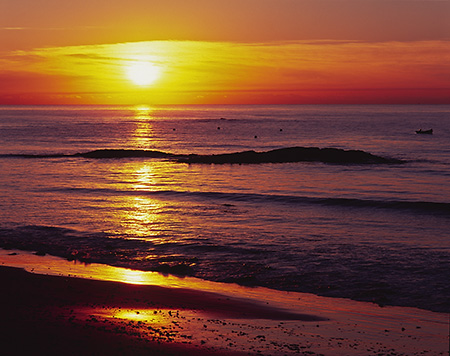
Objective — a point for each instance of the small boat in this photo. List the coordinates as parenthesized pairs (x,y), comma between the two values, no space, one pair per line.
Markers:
(426,132)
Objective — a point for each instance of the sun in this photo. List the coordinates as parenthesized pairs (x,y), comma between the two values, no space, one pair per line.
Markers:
(142,73)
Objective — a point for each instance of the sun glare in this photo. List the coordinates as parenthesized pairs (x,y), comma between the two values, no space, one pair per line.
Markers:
(143,73)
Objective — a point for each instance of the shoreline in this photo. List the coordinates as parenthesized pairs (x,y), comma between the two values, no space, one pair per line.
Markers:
(60,314)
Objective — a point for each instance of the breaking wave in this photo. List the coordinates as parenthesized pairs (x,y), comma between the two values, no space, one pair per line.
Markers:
(425,207)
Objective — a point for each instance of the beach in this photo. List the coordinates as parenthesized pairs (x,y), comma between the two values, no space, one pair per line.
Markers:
(60,314)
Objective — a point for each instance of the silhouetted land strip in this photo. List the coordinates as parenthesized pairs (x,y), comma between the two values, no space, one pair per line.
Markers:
(293,154)
(121,153)
(101,153)
(282,155)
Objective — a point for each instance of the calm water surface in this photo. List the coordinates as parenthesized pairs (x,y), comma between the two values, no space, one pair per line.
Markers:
(368,232)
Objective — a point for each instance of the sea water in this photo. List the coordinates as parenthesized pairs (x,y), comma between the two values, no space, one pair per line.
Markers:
(371,232)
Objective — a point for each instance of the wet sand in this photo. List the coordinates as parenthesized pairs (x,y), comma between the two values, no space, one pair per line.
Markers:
(60,315)
(43,314)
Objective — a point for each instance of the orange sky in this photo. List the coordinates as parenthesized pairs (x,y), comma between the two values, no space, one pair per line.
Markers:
(234,51)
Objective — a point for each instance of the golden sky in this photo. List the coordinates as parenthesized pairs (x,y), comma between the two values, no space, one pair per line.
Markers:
(234,51)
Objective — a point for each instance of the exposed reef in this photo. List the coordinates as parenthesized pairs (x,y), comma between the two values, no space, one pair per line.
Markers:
(293,154)
(281,155)
(122,153)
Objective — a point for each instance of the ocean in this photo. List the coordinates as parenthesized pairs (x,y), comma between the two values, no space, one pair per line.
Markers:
(119,186)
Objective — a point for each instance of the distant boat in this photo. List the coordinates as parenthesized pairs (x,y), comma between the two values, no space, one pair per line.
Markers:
(426,132)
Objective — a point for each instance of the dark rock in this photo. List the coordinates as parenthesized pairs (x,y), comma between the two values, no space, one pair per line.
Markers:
(293,154)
